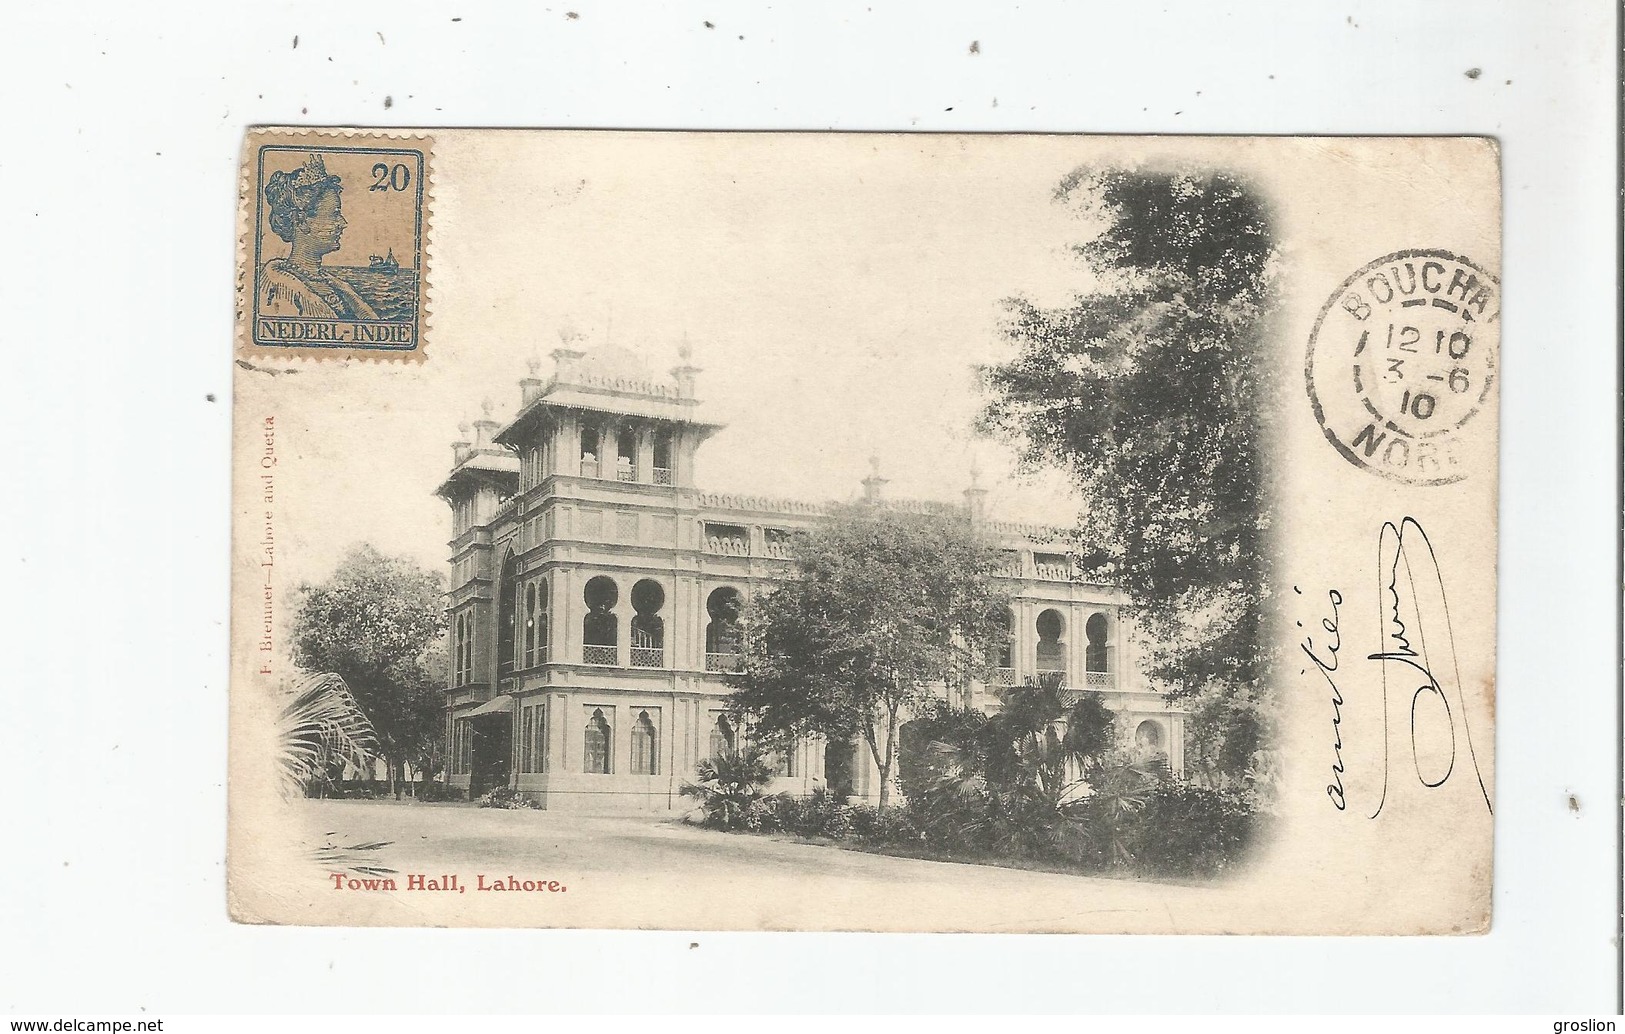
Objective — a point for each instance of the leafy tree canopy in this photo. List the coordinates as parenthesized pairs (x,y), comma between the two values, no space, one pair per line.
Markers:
(884,604)
(1151,390)
(376,623)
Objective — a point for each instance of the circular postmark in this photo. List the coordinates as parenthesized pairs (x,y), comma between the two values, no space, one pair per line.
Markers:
(1401,360)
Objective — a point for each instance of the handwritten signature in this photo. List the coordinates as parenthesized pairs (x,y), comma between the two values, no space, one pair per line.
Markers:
(1413,605)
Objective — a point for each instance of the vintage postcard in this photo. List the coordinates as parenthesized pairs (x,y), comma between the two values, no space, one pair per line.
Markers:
(887,532)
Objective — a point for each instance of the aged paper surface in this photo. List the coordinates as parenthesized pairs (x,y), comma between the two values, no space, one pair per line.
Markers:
(1223,411)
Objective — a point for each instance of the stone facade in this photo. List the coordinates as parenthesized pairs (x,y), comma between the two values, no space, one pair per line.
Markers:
(595,590)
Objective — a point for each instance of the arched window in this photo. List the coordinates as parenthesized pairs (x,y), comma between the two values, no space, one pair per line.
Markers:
(1148,736)
(1051,646)
(507,612)
(589,452)
(723,738)
(784,761)
(459,650)
(626,455)
(1094,652)
(530,624)
(595,744)
(539,620)
(722,631)
(600,633)
(648,627)
(1004,647)
(662,471)
(645,746)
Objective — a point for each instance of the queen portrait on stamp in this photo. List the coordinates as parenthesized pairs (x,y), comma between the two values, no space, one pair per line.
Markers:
(307,211)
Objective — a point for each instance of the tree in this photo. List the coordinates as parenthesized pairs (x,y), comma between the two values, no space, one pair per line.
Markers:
(882,605)
(374,623)
(1152,391)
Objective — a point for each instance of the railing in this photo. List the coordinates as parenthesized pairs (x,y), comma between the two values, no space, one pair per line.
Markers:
(727,546)
(648,657)
(593,654)
(627,473)
(1100,679)
(662,475)
(729,663)
(1004,676)
(589,468)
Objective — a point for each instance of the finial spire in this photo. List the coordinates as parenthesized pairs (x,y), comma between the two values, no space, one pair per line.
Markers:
(874,482)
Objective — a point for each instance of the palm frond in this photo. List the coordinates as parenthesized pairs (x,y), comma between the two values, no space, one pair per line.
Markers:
(320,726)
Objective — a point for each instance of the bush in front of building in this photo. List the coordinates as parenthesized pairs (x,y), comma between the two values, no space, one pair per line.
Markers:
(730,788)
(820,814)
(1189,830)
(508,799)
(434,792)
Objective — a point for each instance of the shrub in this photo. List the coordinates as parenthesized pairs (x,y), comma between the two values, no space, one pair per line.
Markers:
(507,798)
(729,789)
(898,826)
(433,791)
(1187,830)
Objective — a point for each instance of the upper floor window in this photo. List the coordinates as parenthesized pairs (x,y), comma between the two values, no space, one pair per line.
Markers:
(590,447)
(726,539)
(1053,567)
(626,455)
(1095,657)
(662,458)
(1051,628)
(722,639)
(648,627)
(600,629)
(1004,647)
(536,640)
(776,543)
(508,612)
(463,648)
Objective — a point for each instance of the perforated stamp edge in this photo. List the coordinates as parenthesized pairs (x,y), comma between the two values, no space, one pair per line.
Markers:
(250,354)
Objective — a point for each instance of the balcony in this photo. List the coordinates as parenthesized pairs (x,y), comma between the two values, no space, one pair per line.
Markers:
(626,472)
(1100,679)
(727,663)
(1004,676)
(589,468)
(648,657)
(594,654)
(662,475)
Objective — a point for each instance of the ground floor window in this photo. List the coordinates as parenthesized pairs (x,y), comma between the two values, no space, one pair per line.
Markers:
(723,737)
(461,747)
(595,748)
(645,745)
(533,738)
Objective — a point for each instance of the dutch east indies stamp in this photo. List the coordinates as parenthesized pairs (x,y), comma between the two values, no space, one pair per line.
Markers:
(1402,359)
(335,244)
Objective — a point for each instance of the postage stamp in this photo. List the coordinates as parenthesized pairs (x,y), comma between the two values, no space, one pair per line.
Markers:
(336,243)
(1402,359)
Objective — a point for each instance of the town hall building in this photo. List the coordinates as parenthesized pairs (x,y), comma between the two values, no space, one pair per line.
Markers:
(596,592)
